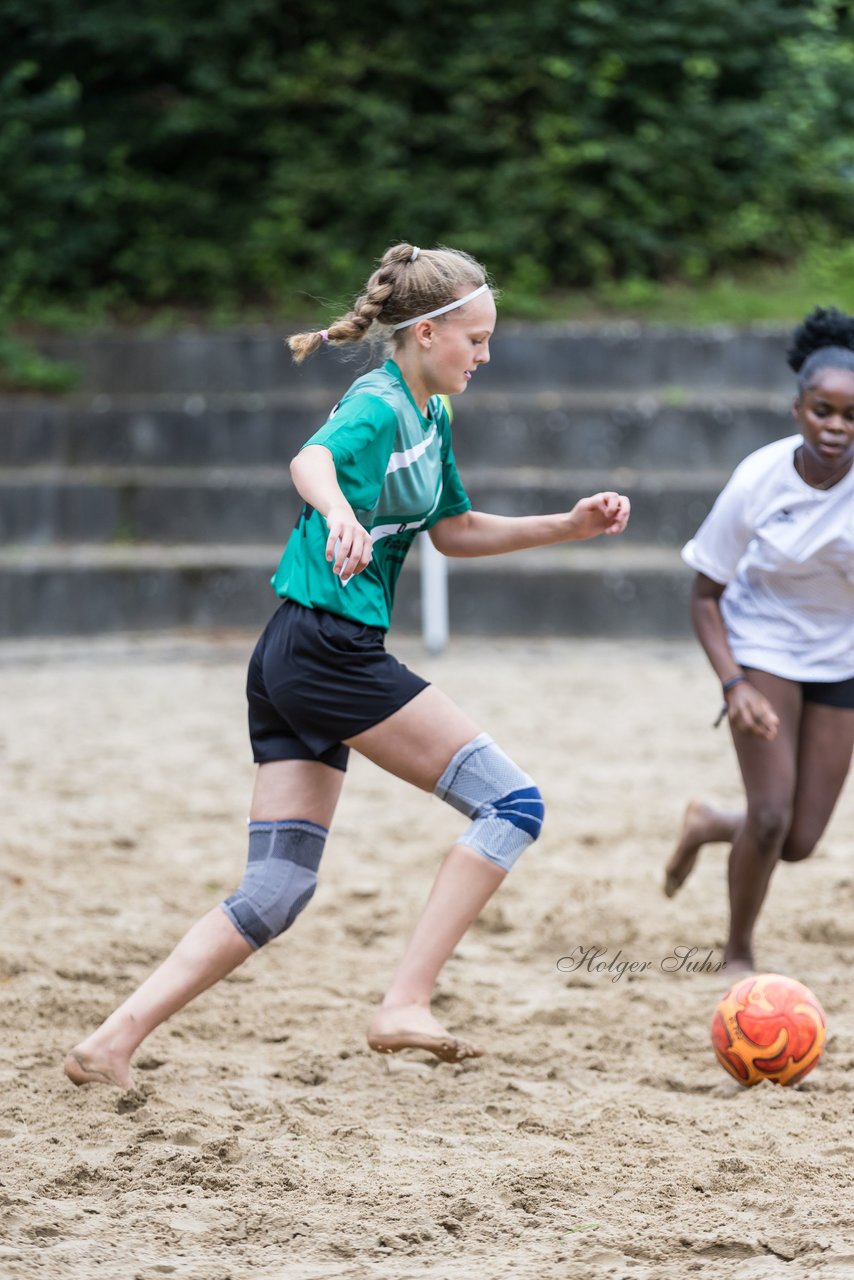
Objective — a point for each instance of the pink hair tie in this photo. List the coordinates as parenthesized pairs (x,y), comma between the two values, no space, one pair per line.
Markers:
(324,335)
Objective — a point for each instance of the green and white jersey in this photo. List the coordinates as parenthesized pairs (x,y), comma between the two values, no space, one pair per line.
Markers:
(396,469)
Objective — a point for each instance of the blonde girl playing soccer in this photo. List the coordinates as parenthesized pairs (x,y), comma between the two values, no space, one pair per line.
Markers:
(321,682)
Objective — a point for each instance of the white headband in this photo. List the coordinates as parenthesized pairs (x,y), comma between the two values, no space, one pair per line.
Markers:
(440,311)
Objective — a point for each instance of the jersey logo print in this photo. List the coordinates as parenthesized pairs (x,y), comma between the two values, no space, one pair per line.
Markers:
(386,530)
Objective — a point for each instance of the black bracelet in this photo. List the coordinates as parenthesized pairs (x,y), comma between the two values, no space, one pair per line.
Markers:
(726,686)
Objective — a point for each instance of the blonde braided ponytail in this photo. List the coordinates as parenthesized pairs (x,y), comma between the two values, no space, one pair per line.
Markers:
(407,282)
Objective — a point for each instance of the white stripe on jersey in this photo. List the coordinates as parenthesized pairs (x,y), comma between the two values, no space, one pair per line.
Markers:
(406,457)
(388,530)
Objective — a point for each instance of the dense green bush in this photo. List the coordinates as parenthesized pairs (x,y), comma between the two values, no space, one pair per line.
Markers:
(240,150)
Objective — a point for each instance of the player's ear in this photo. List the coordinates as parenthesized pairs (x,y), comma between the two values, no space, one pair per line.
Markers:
(796,407)
(424,333)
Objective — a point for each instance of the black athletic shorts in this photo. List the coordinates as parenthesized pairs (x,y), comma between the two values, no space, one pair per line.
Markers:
(836,693)
(830,693)
(315,679)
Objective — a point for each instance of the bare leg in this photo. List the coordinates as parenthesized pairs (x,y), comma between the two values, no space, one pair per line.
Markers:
(416,744)
(701,825)
(825,747)
(769,770)
(206,953)
(465,883)
(212,948)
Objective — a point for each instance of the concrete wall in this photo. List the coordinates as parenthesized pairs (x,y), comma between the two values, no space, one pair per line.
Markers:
(157,495)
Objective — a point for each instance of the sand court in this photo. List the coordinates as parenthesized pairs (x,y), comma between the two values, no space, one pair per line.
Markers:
(598,1137)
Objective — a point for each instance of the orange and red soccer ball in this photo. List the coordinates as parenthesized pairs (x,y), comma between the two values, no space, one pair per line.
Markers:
(769,1027)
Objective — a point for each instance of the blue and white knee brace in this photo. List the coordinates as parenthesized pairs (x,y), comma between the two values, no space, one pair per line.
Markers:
(280,878)
(484,784)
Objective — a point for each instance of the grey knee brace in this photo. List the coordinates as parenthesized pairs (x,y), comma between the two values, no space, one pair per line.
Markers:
(280,878)
(483,783)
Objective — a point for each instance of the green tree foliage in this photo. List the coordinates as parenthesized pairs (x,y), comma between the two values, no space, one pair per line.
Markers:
(239,150)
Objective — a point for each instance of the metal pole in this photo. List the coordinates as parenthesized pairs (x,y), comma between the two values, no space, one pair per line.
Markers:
(434,596)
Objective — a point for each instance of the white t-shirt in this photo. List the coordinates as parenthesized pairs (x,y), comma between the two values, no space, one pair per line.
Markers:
(786,554)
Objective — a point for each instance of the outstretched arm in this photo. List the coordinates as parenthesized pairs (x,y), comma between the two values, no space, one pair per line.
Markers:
(314,476)
(476,533)
(748,709)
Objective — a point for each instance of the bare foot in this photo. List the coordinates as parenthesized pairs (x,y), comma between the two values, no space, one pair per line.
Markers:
(696,825)
(412,1026)
(81,1068)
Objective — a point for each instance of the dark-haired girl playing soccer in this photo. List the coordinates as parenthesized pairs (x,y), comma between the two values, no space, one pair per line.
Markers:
(321,682)
(773,607)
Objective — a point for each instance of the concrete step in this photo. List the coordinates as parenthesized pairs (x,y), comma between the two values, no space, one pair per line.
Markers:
(592,431)
(568,590)
(622,356)
(164,430)
(667,505)
(603,431)
(47,504)
(44,504)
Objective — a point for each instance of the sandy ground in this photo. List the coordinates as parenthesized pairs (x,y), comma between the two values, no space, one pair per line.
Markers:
(598,1138)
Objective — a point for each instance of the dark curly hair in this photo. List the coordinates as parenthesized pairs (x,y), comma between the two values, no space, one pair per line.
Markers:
(825,340)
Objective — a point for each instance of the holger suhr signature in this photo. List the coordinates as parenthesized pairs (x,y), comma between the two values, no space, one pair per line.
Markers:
(679,960)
